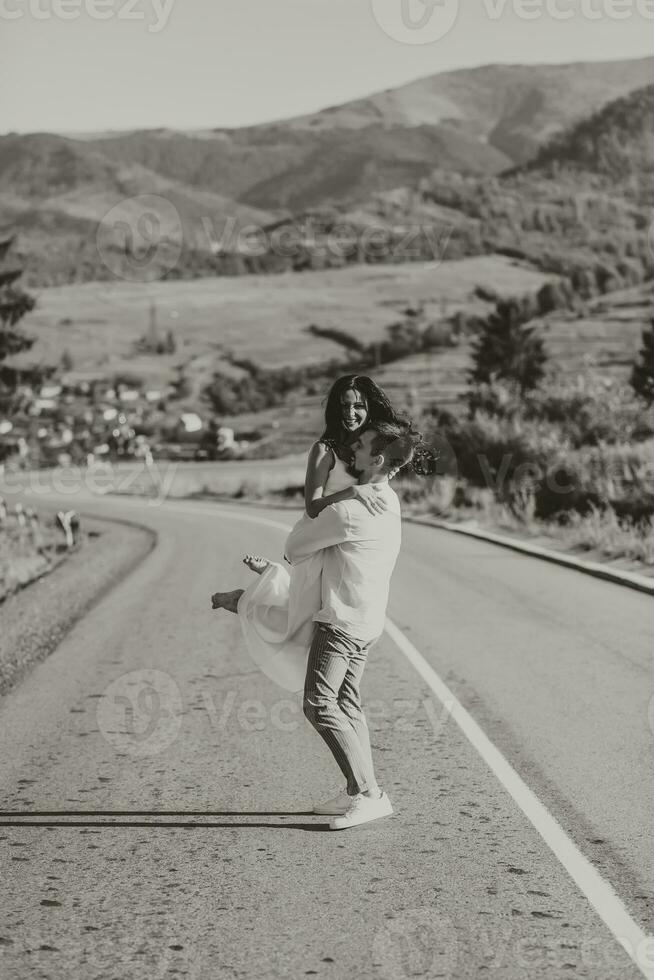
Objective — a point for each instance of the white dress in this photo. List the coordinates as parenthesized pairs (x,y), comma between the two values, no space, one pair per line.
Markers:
(276,611)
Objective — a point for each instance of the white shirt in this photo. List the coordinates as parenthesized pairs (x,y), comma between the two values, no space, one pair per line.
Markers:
(359,552)
(342,564)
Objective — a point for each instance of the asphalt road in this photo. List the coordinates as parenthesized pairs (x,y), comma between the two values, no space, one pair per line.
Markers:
(156,787)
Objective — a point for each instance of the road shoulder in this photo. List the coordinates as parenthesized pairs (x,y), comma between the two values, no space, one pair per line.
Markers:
(36,619)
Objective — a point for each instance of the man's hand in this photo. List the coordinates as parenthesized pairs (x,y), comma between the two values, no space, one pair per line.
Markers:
(370,497)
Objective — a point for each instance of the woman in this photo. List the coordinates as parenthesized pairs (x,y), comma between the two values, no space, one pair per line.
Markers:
(353,403)
(276,612)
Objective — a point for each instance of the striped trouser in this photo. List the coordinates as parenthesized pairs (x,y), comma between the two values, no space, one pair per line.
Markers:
(332,702)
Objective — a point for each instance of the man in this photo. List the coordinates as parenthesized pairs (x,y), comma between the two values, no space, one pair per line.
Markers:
(359,551)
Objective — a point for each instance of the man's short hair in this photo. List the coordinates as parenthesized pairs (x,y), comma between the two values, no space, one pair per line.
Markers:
(397,441)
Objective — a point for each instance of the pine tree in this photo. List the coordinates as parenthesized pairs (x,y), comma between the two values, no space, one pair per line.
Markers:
(14,304)
(642,374)
(507,349)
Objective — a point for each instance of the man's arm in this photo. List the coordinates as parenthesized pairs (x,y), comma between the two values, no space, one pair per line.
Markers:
(332,526)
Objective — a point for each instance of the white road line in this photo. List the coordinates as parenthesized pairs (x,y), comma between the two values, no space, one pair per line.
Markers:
(599,892)
(601,895)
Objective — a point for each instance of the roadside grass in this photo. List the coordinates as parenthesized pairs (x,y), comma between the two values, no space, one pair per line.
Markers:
(26,553)
(602,531)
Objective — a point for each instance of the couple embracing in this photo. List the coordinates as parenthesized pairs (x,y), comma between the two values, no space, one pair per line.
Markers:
(311,629)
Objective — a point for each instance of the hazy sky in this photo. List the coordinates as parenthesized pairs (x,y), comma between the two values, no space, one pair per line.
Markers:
(201,63)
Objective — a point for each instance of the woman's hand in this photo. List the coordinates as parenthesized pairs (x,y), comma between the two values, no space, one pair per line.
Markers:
(370,497)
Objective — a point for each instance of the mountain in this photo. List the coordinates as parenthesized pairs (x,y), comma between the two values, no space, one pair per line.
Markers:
(78,179)
(57,193)
(515,108)
(474,120)
(474,123)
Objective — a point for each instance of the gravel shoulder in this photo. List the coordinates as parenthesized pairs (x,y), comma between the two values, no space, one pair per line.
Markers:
(34,620)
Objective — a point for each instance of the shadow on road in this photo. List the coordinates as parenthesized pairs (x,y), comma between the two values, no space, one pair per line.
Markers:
(93,818)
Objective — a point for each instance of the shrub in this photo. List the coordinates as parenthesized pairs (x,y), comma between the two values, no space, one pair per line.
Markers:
(128,378)
(592,410)
(503,453)
(67,362)
(588,410)
(555,296)
(642,375)
(514,446)
(341,337)
(442,335)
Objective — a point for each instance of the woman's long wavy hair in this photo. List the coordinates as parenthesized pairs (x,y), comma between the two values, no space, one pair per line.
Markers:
(378,406)
(405,446)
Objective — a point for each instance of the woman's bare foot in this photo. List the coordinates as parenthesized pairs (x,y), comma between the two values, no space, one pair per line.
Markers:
(226,600)
(256,564)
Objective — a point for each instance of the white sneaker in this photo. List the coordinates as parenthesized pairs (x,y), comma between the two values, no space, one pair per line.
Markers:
(338,804)
(361,810)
